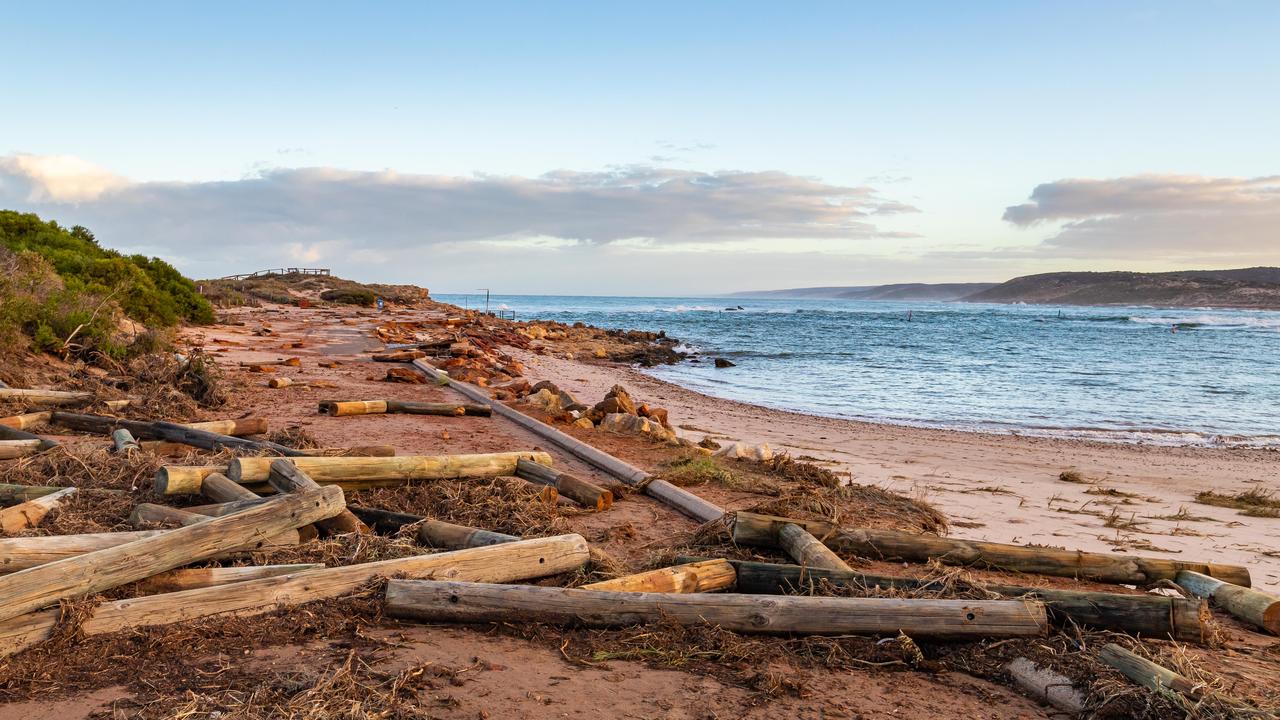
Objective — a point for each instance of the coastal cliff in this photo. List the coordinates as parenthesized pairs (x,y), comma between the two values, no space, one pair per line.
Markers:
(1257,288)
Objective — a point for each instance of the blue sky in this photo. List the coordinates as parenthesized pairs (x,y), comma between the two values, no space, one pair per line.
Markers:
(957,111)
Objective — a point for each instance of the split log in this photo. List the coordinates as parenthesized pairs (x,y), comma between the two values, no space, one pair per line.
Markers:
(379,471)
(191,578)
(678,498)
(26,420)
(1252,606)
(172,432)
(483,602)
(754,529)
(524,560)
(1151,616)
(286,477)
(122,441)
(343,408)
(1148,674)
(698,577)
(433,533)
(38,587)
(237,428)
(30,513)
(184,479)
(808,550)
(10,449)
(580,491)
(44,397)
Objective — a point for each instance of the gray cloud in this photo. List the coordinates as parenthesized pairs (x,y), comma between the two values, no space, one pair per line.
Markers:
(1177,215)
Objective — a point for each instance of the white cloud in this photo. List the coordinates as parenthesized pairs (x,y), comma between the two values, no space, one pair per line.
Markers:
(1175,216)
(55,178)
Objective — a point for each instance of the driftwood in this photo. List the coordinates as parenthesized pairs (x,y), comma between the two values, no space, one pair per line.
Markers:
(184,479)
(172,432)
(191,578)
(343,408)
(286,477)
(239,427)
(384,471)
(219,488)
(26,420)
(30,513)
(1253,606)
(1148,674)
(696,577)
(279,382)
(10,449)
(433,533)
(761,530)
(122,441)
(808,550)
(435,601)
(1150,616)
(11,493)
(10,433)
(32,589)
(44,397)
(524,560)
(580,491)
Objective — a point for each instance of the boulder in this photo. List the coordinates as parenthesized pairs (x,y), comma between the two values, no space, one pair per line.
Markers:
(584,423)
(618,400)
(404,375)
(518,386)
(660,414)
(546,401)
(746,451)
(722,363)
(635,425)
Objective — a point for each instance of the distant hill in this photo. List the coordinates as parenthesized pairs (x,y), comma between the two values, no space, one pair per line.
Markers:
(1257,287)
(901,291)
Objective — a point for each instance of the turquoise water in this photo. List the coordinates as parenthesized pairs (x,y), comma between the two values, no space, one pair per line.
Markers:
(1169,376)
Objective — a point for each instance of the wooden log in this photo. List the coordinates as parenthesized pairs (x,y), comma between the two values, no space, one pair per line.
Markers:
(345,408)
(389,470)
(122,441)
(524,560)
(407,407)
(191,578)
(9,433)
(237,428)
(433,533)
(26,420)
(172,432)
(279,382)
(353,451)
(678,498)
(184,479)
(32,589)
(483,602)
(808,550)
(1148,674)
(44,397)
(1150,616)
(30,513)
(10,449)
(1046,685)
(1252,606)
(148,515)
(580,491)
(22,553)
(698,577)
(286,477)
(11,493)
(754,529)
(219,488)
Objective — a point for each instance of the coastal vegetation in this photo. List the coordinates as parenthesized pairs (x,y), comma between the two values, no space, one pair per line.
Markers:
(62,292)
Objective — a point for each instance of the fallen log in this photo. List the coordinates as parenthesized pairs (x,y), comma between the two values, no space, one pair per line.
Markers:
(524,560)
(353,451)
(219,488)
(344,408)
(38,587)
(1151,616)
(379,471)
(11,493)
(173,432)
(9,433)
(761,530)
(11,449)
(435,601)
(191,578)
(682,500)
(286,477)
(44,397)
(1148,674)
(30,513)
(237,428)
(279,382)
(696,577)
(808,550)
(122,441)
(580,491)
(26,420)
(184,479)
(1252,606)
(433,533)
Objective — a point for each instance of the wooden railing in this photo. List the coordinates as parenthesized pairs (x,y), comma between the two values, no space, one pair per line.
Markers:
(279,271)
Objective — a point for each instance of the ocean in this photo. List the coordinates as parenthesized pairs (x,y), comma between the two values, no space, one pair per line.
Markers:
(1125,374)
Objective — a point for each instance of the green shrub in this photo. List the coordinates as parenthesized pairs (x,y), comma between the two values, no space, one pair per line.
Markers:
(349,297)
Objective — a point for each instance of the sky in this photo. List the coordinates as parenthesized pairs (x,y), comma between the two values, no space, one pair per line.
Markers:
(651,148)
